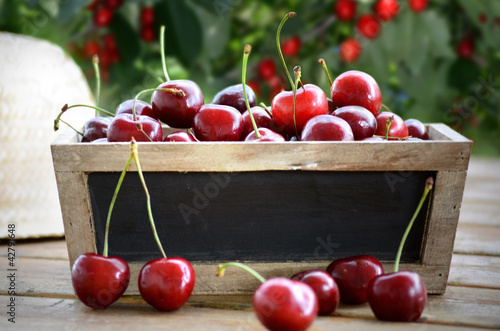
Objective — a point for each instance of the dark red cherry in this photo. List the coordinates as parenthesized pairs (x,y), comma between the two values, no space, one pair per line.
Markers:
(103,16)
(310,102)
(180,136)
(123,127)
(99,281)
(174,110)
(353,275)
(218,123)
(141,108)
(397,129)
(262,119)
(147,15)
(356,88)
(399,297)
(465,48)
(324,286)
(326,128)
(233,96)
(345,9)
(266,69)
(96,128)
(362,122)
(416,129)
(265,135)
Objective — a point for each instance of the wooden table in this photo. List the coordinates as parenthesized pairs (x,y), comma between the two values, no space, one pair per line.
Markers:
(44,297)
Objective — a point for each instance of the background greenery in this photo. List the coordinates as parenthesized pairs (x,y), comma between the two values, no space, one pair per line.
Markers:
(414,59)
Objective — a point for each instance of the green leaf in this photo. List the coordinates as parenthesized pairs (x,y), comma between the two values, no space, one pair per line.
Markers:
(125,36)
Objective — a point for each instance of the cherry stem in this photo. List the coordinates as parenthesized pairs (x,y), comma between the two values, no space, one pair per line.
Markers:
(325,68)
(297,73)
(278,45)
(162,48)
(386,108)
(66,107)
(134,153)
(222,267)
(95,62)
(387,126)
(112,204)
(263,105)
(428,186)
(80,133)
(246,53)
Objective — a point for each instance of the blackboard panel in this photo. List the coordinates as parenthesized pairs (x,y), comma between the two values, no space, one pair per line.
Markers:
(262,216)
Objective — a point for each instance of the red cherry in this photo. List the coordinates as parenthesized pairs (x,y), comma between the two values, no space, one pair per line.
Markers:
(93,5)
(141,108)
(327,128)
(266,69)
(353,275)
(418,5)
(99,281)
(166,283)
(325,288)
(284,304)
(123,127)
(233,96)
(106,58)
(96,128)
(386,10)
(368,26)
(262,119)
(483,18)
(148,33)
(398,297)
(416,129)
(356,88)
(103,16)
(147,15)
(397,129)
(265,135)
(180,136)
(465,48)
(345,9)
(176,111)
(254,85)
(310,101)
(350,50)
(91,48)
(218,123)
(291,47)
(362,122)
(110,42)
(113,4)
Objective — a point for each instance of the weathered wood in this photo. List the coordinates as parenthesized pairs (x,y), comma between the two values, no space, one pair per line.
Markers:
(478,239)
(477,271)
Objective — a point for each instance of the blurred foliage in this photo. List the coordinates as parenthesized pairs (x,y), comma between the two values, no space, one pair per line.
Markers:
(414,59)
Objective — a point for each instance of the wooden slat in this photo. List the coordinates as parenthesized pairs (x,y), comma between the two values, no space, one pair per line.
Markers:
(480,213)
(475,271)
(478,239)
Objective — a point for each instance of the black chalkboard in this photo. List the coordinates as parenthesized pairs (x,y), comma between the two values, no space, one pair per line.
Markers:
(262,216)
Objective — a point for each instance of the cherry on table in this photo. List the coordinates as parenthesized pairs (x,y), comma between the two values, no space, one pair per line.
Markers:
(324,286)
(96,128)
(218,123)
(353,276)
(397,129)
(362,122)
(416,129)
(99,281)
(123,127)
(167,283)
(356,88)
(327,128)
(233,96)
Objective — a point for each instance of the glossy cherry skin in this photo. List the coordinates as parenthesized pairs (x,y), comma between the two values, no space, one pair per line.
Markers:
(180,136)
(397,129)
(368,26)
(123,127)
(350,50)
(362,122)
(177,111)
(265,135)
(284,304)
(95,128)
(99,281)
(141,108)
(416,129)
(353,275)
(398,297)
(327,128)
(218,123)
(386,10)
(310,102)
(262,119)
(233,96)
(266,69)
(166,283)
(324,286)
(356,88)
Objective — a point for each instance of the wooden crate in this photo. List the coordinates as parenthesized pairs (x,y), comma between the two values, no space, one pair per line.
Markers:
(279,207)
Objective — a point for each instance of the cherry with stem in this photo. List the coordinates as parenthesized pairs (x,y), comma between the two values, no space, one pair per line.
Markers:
(246,53)
(278,46)
(325,68)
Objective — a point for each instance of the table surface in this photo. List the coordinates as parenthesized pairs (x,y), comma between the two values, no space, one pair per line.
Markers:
(45,299)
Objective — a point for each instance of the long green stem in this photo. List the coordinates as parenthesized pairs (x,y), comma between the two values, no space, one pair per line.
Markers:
(325,68)
(222,267)
(112,204)
(102,110)
(263,105)
(95,62)
(246,53)
(278,45)
(74,129)
(297,73)
(66,107)
(135,155)
(162,52)
(428,186)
